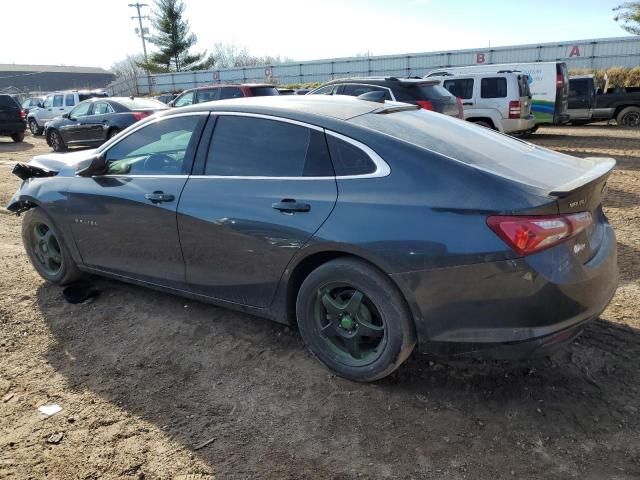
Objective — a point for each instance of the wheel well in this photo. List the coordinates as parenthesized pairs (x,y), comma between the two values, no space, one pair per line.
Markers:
(482,119)
(308,265)
(619,109)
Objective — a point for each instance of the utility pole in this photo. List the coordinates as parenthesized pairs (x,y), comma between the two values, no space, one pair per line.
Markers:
(139,17)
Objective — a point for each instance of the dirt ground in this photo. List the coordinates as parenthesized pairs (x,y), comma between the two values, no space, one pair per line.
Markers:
(144,379)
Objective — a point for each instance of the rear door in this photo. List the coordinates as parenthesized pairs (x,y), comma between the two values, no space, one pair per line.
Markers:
(54,107)
(494,94)
(581,98)
(124,222)
(463,89)
(266,188)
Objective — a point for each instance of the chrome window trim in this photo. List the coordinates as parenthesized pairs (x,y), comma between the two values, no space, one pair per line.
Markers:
(382,168)
(106,146)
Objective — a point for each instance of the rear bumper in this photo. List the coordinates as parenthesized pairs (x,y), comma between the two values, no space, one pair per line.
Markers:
(517,125)
(519,305)
(9,128)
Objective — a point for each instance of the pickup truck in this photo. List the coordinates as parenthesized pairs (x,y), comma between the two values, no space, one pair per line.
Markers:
(588,104)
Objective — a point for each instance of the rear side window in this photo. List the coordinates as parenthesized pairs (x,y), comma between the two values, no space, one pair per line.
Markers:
(348,159)
(328,90)
(461,87)
(231,92)
(256,147)
(355,90)
(7,102)
(264,91)
(432,92)
(69,100)
(495,87)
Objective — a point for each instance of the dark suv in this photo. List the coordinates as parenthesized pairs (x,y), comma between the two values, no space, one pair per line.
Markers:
(13,120)
(428,94)
(222,92)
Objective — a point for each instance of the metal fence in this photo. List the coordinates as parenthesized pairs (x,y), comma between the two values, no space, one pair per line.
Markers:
(594,54)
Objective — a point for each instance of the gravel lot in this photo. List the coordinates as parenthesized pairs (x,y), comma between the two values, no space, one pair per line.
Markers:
(144,379)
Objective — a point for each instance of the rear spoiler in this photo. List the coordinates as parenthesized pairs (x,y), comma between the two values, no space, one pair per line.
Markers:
(601,168)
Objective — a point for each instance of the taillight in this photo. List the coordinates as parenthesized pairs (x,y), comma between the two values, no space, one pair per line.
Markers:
(140,115)
(559,80)
(426,104)
(514,109)
(22,114)
(532,234)
(460,108)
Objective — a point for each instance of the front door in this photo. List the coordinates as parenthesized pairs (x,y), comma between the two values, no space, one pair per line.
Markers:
(124,222)
(95,130)
(267,187)
(71,129)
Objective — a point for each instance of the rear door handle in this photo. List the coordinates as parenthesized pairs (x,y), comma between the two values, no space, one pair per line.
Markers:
(467,103)
(159,197)
(290,206)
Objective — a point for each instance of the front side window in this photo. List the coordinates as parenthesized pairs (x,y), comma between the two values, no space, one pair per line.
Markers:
(81,110)
(256,147)
(69,100)
(355,90)
(160,148)
(57,100)
(231,92)
(48,102)
(461,87)
(493,87)
(184,100)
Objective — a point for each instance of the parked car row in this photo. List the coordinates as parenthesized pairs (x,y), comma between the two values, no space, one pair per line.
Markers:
(56,104)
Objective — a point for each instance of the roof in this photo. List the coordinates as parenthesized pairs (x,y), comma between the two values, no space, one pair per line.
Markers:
(388,81)
(339,107)
(218,85)
(14,67)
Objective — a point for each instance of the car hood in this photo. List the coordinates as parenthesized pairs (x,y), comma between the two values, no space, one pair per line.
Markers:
(66,164)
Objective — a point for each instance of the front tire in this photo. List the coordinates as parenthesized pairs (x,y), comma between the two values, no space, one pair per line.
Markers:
(35,129)
(629,117)
(354,320)
(18,137)
(56,141)
(46,249)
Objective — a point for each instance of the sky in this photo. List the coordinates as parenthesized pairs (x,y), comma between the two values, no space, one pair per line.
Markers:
(101,32)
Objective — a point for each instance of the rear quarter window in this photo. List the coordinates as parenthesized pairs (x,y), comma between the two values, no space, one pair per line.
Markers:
(264,91)
(348,159)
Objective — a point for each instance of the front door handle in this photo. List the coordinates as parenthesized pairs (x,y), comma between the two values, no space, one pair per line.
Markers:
(467,103)
(290,206)
(159,197)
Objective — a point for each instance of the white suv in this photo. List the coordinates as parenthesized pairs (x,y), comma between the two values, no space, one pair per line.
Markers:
(55,105)
(501,101)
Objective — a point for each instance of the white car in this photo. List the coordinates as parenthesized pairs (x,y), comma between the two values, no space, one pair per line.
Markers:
(501,101)
(55,105)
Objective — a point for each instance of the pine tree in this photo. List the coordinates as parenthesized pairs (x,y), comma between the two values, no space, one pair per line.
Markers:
(629,16)
(173,39)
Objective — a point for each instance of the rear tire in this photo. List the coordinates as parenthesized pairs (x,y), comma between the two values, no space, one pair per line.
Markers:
(47,250)
(629,117)
(56,141)
(354,320)
(35,129)
(17,137)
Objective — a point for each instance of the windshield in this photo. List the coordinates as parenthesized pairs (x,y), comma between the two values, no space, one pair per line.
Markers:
(480,147)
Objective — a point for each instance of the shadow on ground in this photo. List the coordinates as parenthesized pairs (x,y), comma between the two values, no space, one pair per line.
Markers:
(11,146)
(202,372)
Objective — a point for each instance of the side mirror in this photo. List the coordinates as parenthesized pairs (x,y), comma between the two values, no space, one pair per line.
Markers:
(40,104)
(65,115)
(98,166)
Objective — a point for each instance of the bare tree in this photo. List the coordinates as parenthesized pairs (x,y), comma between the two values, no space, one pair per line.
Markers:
(127,72)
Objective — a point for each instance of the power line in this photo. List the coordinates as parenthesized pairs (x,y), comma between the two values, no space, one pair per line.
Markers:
(139,17)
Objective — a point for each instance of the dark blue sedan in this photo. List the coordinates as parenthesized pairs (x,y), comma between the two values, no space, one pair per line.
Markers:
(373,227)
(96,120)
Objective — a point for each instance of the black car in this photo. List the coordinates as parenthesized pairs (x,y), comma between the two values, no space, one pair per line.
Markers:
(373,227)
(13,120)
(223,92)
(427,94)
(96,120)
